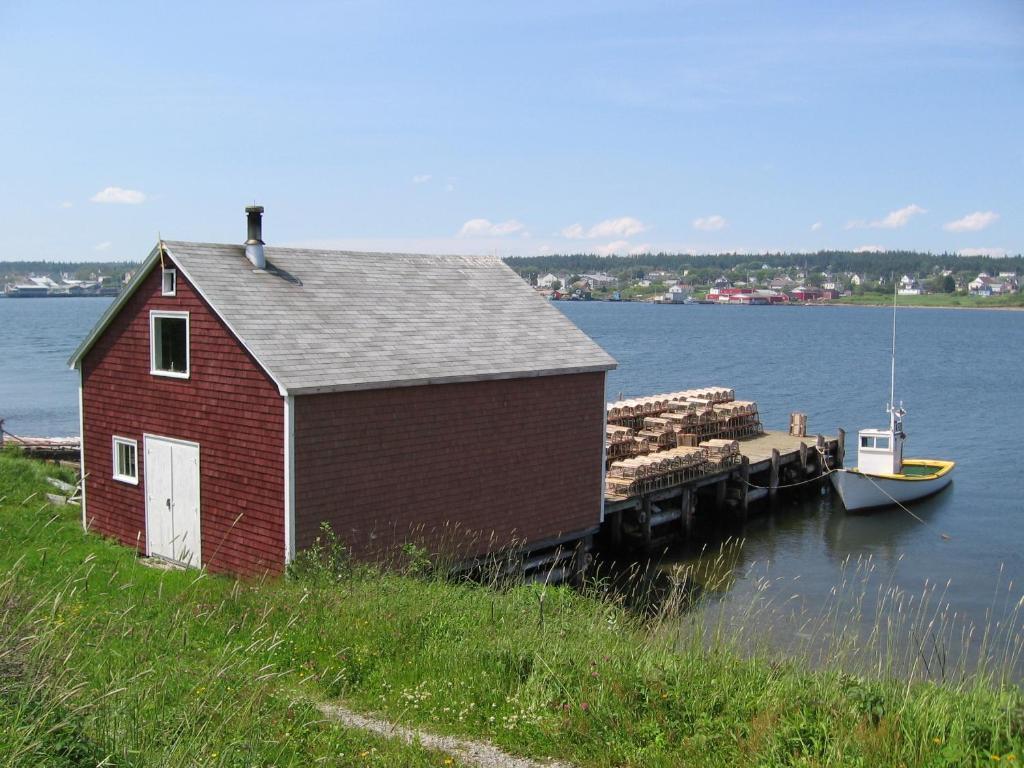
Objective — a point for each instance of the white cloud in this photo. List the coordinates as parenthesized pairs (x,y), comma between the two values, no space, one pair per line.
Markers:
(487,228)
(710,223)
(869,249)
(995,253)
(421,178)
(624,226)
(612,248)
(816,226)
(899,218)
(639,250)
(972,222)
(893,220)
(105,245)
(449,187)
(67,204)
(119,195)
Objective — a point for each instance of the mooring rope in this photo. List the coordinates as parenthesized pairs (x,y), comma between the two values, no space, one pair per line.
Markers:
(828,471)
(922,521)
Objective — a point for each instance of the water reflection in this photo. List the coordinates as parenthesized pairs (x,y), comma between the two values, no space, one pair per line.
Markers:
(883,533)
(764,587)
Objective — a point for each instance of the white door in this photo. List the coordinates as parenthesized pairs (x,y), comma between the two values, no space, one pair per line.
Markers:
(172,500)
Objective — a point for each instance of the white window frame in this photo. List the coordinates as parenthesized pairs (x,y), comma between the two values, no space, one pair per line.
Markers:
(155,315)
(173,275)
(134,445)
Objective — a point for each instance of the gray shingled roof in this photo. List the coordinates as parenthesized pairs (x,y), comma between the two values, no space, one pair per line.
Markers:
(336,320)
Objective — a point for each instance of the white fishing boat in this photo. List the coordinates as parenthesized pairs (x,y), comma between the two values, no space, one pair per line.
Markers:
(882,477)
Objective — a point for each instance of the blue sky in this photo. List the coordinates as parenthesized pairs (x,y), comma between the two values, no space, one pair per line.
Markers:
(516,128)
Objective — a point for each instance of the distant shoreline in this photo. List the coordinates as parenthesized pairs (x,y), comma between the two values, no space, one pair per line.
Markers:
(922,306)
(834,304)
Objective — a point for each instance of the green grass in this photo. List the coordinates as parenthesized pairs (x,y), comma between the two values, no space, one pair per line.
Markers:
(936,300)
(105,659)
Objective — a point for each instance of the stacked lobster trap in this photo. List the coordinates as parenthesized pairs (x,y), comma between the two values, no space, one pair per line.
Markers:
(678,419)
(663,440)
(655,471)
(623,443)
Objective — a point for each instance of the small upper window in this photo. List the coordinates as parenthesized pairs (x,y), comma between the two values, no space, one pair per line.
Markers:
(170,282)
(169,354)
(882,442)
(867,442)
(126,465)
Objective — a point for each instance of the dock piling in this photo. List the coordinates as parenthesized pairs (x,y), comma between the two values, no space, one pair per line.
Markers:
(773,477)
(645,523)
(686,506)
(745,490)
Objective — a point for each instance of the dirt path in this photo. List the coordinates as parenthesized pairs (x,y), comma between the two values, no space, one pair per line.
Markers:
(475,753)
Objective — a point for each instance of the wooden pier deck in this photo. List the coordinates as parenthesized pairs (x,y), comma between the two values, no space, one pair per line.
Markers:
(769,463)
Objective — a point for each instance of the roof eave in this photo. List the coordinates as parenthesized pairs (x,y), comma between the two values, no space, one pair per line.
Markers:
(459,379)
(282,390)
(143,272)
(112,311)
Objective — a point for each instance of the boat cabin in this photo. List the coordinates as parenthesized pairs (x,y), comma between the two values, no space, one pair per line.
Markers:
(880,451)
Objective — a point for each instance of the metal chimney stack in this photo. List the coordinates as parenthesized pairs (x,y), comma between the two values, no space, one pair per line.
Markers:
(254,244)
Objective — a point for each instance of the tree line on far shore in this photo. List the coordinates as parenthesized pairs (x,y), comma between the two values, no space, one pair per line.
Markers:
(881,265)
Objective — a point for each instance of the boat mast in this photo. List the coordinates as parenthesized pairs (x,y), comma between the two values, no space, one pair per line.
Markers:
(892,380)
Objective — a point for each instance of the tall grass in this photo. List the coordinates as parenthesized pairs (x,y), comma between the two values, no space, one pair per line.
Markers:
(103,658)
(868,625)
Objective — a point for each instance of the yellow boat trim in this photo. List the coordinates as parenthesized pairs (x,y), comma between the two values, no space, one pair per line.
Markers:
(945,467)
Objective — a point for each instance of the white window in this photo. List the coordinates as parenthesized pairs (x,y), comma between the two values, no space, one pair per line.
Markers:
(882,442)
(170,282)
(867,442)
(126,464)
(169,344)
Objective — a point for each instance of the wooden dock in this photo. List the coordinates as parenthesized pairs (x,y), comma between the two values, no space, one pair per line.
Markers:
(769,463)
(51,448)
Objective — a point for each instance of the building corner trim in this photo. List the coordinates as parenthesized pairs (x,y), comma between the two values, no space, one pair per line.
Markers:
(604,438)
(289,479)
(81,443)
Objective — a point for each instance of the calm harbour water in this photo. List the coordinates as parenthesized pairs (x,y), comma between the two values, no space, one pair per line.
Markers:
(959,374)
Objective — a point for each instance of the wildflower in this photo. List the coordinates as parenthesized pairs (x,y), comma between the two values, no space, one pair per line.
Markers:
(584,706)
(997,758)
(937,740)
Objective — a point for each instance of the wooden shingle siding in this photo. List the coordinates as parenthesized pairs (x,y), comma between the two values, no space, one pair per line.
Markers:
(516,459)
(228,405)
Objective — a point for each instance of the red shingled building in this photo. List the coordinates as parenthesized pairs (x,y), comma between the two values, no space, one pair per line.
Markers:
(235,397)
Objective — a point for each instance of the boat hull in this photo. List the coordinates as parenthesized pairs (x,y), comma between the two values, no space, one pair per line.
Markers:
(860,491)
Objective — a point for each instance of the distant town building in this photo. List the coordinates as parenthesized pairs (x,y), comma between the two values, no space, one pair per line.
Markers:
(986,285)
(909,286)
(601,280)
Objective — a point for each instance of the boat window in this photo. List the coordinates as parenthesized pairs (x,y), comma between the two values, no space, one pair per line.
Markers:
(867,442)
(882,442)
